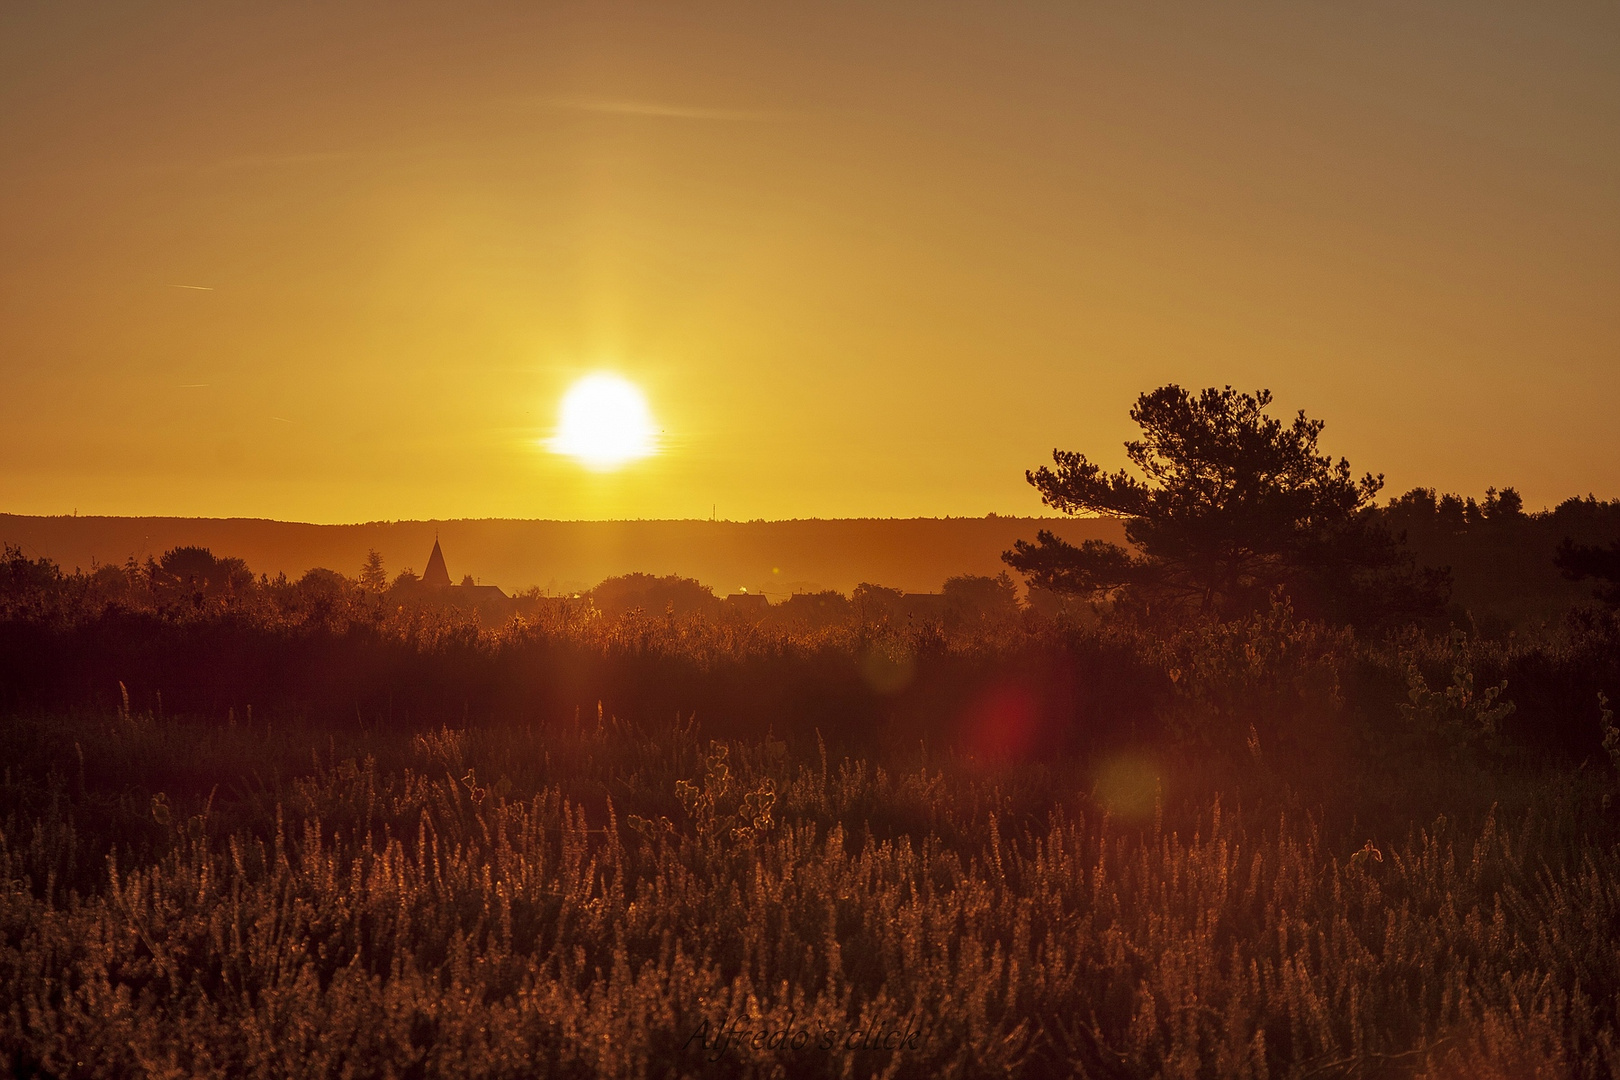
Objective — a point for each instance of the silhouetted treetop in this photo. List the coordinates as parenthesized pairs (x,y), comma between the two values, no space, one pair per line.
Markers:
(1230,503)
(373,577)
(1421,508)
(652,595)
(199,568)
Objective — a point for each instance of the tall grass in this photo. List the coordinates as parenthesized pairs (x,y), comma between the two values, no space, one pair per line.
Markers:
(597,899)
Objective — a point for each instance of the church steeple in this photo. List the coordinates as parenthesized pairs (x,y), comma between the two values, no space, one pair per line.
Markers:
(436,573)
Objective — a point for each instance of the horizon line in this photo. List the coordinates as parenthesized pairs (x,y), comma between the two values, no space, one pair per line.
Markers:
(991,516)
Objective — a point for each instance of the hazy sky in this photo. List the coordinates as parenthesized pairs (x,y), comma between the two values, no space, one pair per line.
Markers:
(863,259)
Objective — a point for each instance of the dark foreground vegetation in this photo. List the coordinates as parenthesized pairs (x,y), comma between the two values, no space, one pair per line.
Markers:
(343,840)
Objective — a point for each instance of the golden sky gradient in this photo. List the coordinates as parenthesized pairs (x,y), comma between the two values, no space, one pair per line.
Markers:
(340,262)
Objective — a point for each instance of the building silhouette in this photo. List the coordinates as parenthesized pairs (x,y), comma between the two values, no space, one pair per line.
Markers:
(437,573)
(436,581)
(748,605)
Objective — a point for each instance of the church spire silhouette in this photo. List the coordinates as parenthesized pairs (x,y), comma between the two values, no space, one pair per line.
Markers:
(436,573)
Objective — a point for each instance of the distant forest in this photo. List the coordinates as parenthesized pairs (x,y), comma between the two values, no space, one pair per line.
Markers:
(1502,561)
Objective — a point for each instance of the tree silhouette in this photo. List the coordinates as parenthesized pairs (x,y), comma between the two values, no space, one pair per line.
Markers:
(196,573)
(972,599)
(1581,561)
(1231,504)
(373,578)
(652,595)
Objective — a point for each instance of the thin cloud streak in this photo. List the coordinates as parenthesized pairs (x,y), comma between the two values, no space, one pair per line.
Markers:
(662,110)
(259,161)
(199,288)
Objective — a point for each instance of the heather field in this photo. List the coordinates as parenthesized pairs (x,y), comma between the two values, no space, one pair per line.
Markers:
(661,846)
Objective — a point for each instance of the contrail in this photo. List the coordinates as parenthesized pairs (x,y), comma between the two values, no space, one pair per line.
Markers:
(199,288)
(284,420)
(192,385)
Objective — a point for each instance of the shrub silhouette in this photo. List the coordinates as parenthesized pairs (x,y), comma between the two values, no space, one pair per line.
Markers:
(1580,562)
(652,595)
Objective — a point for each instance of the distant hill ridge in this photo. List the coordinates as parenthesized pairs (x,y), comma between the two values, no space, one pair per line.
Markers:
(776,558)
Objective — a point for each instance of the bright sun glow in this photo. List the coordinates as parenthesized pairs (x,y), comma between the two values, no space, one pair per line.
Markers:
(604,423)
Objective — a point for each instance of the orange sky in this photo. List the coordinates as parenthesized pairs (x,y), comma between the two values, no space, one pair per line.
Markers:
(864,259)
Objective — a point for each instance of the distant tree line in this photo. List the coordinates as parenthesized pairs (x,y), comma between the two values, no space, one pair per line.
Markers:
(193,582)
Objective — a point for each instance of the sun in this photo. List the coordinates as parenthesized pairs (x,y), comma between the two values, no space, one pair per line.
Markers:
(603,423)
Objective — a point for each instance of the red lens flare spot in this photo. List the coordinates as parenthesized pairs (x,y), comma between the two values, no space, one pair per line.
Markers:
(1003,725)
